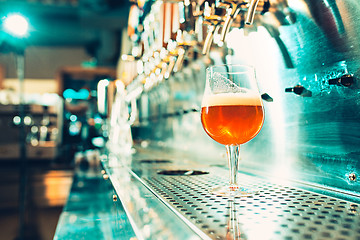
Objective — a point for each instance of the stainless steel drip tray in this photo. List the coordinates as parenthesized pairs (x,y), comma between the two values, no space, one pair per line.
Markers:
(182,208)
(275,212)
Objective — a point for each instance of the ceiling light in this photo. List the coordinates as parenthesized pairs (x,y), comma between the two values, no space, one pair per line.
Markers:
(17,25)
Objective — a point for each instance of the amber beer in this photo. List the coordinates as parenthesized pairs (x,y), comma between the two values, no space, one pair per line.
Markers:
(231,118)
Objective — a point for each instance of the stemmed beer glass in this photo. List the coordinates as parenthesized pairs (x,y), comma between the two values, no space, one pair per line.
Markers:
(232,114)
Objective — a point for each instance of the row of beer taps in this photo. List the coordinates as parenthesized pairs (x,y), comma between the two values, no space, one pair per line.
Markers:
(166,33)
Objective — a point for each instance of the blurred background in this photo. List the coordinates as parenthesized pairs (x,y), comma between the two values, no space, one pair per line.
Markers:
(69,46)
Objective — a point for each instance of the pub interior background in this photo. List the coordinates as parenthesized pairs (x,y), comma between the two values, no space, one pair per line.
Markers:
(70,45)
(108,113)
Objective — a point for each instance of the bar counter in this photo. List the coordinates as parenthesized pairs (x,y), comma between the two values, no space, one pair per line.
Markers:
(90,212)
(164,192)
(164,195)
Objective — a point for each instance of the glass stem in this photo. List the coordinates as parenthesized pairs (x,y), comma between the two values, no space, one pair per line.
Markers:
(233,154)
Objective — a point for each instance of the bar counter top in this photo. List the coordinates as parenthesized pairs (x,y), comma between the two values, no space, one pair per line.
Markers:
(90,212)
(164,194)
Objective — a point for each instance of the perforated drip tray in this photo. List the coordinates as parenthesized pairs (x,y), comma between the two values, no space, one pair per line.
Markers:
(181,172)
(275,212)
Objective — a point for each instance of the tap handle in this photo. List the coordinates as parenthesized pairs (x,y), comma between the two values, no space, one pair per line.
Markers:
(170,67)
(232,12)
(265,7)
(214,21)
(346,80)
(251,12)
(299,90)
(227,23)
(266,97)
(226,26)
(208,39)
(179,60)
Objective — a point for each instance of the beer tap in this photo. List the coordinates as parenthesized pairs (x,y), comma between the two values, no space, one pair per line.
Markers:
(170,56)
(161,69)
(188,33)
(279,10)
(162,64)
(346,80)
(180,59)
(214,23)
(232,10)
(171,65)
(251,12)
(183,43)
(299,90)
(187,17)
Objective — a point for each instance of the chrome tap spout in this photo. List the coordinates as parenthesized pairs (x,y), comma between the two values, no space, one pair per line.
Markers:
(215,23)
(233,10)
(251,12)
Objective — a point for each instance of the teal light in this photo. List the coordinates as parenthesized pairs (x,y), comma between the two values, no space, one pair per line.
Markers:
(82,94)
(16,25)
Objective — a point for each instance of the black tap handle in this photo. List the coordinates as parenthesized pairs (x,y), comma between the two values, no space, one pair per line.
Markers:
(267,97)
(266,7)
(346,80)
(299,90)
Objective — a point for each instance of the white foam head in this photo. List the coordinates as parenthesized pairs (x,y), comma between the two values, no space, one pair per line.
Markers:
(224,99)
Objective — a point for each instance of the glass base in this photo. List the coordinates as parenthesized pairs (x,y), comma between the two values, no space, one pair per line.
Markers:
(233,191)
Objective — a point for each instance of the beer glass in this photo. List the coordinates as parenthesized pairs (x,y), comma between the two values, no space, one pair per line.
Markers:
(231,114)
